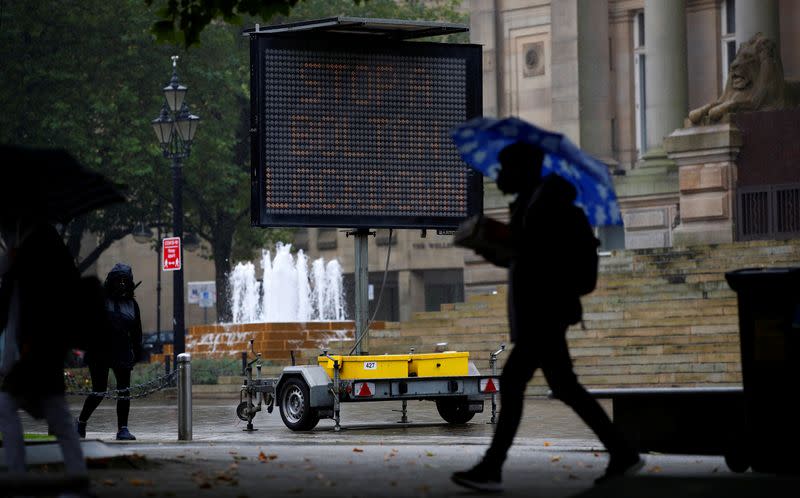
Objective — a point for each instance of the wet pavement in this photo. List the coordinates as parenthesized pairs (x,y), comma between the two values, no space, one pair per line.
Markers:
(554,455)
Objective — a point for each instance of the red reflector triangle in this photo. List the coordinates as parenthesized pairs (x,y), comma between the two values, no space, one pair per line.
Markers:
(364,391)
(490,387)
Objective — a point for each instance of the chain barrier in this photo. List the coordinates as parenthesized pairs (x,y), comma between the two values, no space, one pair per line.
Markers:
(74,387)
(133,392)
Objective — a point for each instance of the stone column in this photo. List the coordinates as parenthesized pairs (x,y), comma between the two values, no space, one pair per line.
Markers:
(757,16)
(581,74)
(707,175)
(594,78)
(665,69)
(649,195)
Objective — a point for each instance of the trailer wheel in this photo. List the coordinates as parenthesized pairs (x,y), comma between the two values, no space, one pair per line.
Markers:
(737,461)
(294,404)
(454,411)
(242,410)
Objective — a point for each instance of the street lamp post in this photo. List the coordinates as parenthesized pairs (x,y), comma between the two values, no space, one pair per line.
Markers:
(175,128)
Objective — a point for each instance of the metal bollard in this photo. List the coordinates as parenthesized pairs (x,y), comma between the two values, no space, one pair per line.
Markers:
(184,364)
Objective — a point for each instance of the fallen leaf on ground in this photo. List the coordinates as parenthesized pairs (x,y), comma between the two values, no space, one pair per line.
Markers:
(232,453)
(714,470)
(428,453)
(140,482)
(204,485)
(573,477)
(358,450)
(262,457)
(393,483)
(546,444)
(272,456)
(655,469)
(555,459)
(109,482)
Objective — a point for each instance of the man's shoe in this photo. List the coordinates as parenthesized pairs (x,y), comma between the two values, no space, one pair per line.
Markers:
(80,427)
(479,477)
(125,435)
(621,466)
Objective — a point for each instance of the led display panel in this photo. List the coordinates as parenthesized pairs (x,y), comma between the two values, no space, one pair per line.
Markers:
(355,133)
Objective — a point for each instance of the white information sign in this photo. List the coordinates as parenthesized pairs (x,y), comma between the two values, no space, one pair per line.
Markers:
(203,294)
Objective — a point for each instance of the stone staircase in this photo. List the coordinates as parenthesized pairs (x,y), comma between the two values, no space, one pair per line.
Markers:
(659,317)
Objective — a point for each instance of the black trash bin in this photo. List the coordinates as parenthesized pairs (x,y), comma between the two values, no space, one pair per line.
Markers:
(769,331)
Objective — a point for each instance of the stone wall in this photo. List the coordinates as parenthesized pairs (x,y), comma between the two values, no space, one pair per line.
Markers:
(274,341)
(659,317)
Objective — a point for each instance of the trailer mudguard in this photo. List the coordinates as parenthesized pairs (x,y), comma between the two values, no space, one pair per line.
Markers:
(319,384)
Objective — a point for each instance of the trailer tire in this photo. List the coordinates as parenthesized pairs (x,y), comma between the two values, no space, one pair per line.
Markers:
(294,405)
(454,411)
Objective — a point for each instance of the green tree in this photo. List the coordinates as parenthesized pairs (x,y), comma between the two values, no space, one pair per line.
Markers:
(183,22)
(86,75)
(62,88)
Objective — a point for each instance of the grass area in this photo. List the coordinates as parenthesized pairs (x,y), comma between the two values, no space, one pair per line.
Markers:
(34,437)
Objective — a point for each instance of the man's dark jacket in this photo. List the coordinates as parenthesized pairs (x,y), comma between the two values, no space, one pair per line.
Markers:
(48,279)
(544,235)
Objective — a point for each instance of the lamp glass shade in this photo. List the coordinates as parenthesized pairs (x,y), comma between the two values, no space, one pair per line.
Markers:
(187,127)
(163,128)
(175,93)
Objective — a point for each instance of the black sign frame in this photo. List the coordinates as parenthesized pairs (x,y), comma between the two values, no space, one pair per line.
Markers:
(260,215)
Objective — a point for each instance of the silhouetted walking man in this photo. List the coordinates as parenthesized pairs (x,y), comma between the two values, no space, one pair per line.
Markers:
(546,275)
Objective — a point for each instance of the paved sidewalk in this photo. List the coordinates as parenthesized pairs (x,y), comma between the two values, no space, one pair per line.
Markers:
(555,455)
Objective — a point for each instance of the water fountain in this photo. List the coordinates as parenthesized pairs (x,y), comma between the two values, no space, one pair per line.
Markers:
(287,293)
(288,309)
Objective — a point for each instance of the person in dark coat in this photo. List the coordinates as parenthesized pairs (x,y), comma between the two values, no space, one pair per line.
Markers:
(37,324)
(119,349)
(542,304)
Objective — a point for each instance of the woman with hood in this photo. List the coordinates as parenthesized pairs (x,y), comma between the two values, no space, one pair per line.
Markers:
(118,350)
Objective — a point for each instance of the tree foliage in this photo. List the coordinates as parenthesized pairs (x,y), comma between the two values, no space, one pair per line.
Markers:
(183,21)
(86,75)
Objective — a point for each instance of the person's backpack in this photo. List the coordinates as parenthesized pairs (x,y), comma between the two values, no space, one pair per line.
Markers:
(584,256)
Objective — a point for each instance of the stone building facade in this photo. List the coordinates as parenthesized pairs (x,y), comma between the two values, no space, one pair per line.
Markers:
(617,77)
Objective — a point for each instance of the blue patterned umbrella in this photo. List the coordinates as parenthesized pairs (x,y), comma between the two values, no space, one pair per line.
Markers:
(480,141)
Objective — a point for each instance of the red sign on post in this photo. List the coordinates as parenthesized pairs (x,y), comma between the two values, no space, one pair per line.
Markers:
(171,254)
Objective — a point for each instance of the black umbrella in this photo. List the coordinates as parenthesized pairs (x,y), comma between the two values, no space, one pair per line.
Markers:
(50,184)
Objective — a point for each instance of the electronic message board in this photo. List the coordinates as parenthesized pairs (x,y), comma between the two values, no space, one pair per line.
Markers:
(354,132)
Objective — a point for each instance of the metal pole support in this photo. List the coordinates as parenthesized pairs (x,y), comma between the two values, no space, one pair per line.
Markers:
(336,413)
(493,365)
(361,276)
(184,397)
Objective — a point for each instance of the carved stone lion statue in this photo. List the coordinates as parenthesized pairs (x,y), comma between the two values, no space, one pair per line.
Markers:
(755,83)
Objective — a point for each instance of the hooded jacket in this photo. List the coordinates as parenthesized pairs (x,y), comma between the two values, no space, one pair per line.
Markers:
(543,227)
(121,345)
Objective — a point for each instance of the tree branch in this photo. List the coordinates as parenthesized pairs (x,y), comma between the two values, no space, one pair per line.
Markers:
(93,256)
